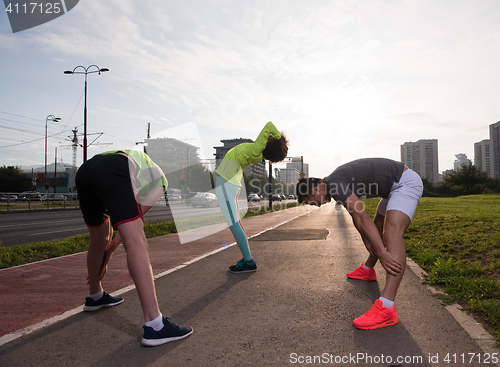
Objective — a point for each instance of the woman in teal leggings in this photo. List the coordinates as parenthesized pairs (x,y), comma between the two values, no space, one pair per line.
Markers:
(271,145)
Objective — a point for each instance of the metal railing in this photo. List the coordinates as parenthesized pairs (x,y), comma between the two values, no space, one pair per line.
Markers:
(33,200)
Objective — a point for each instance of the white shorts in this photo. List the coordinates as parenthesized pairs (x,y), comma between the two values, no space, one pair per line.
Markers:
(404,195)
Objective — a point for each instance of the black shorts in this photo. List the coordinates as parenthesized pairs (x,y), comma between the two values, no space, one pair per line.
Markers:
(105,188)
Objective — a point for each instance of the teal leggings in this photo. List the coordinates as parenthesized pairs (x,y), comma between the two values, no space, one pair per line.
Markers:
(227,196)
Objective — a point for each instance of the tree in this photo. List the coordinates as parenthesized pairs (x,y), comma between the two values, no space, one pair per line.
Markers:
(493,184)
(12,179)
(467,177)
(429,189)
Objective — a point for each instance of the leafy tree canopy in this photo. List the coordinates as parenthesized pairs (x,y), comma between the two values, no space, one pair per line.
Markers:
(13,179)
(466,178)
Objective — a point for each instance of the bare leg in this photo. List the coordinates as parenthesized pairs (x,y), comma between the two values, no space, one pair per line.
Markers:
(99,239)
(379,223)
(139,266)
(396,224)
(371,261)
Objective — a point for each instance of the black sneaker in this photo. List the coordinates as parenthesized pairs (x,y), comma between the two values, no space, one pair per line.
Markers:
(169,333)
(243,266)
(105,301)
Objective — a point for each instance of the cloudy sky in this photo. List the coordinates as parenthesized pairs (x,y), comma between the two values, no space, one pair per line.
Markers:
(344,79)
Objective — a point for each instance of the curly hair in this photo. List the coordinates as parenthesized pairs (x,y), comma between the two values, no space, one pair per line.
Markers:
(276,149)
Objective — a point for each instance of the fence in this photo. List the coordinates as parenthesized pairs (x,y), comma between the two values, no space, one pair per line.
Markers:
(33,200)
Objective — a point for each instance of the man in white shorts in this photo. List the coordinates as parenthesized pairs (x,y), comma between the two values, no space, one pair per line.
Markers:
(400,189)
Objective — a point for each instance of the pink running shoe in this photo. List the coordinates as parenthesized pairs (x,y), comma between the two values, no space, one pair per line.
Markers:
(377,317)
(363,274)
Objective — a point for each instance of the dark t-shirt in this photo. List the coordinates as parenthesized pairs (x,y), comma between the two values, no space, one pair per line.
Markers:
(367,176)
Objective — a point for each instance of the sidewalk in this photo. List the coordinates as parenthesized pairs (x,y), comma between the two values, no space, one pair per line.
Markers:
(296,309)
(48,288)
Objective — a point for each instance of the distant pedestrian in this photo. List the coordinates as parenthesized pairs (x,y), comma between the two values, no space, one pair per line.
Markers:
(271,145)
(115,190)
(400,189)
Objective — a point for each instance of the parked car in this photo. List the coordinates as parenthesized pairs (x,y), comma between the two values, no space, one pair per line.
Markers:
(29,196)
(283,197)
(71,196)
(8,197)
(173,197)
(291,197)
(53,197)
(206,199)
(189,196)
(253,197)
(276,197)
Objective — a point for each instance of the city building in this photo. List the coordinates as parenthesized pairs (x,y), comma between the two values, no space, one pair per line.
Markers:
(482,158)
(258,169)
(289,176)
(460,161)
(495,149)
(175,157)
(298,164)
(65,182)
(422,157)
(171,152)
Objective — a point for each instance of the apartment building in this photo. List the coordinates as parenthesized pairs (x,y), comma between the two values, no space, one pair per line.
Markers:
(482,156)
(495,149)
(422,157)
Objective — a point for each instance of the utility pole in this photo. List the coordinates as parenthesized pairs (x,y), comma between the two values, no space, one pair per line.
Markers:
(148,134)
(270,185)
(55,173)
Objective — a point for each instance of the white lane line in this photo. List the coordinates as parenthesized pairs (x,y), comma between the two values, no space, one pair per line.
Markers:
(7,338)
(33,223)
(61,230)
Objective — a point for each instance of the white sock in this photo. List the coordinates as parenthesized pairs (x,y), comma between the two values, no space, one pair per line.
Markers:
(97,296)
(366,267)
(156,324)
(387,303)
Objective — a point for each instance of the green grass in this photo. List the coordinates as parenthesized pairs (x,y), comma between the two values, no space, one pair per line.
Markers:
(23,254)
(457,242)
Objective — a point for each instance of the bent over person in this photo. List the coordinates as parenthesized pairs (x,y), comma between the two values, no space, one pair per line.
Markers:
(400,189)
(271,145)
(115,190)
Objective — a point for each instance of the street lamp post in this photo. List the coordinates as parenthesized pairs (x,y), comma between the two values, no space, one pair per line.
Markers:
(47,119)
(85,72)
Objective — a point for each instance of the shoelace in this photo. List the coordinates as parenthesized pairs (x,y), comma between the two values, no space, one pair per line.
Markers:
(373,311)
(240,263)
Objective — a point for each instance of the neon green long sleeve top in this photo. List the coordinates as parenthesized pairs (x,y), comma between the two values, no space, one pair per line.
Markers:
(239,157)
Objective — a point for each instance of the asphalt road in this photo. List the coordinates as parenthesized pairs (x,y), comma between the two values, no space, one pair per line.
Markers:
(297,309)
(19,228)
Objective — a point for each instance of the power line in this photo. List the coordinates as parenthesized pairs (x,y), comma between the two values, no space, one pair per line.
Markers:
(32,141)
(68,121)
(32,127)
(25,117)
(57,135)
(25,142)
(22,130)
